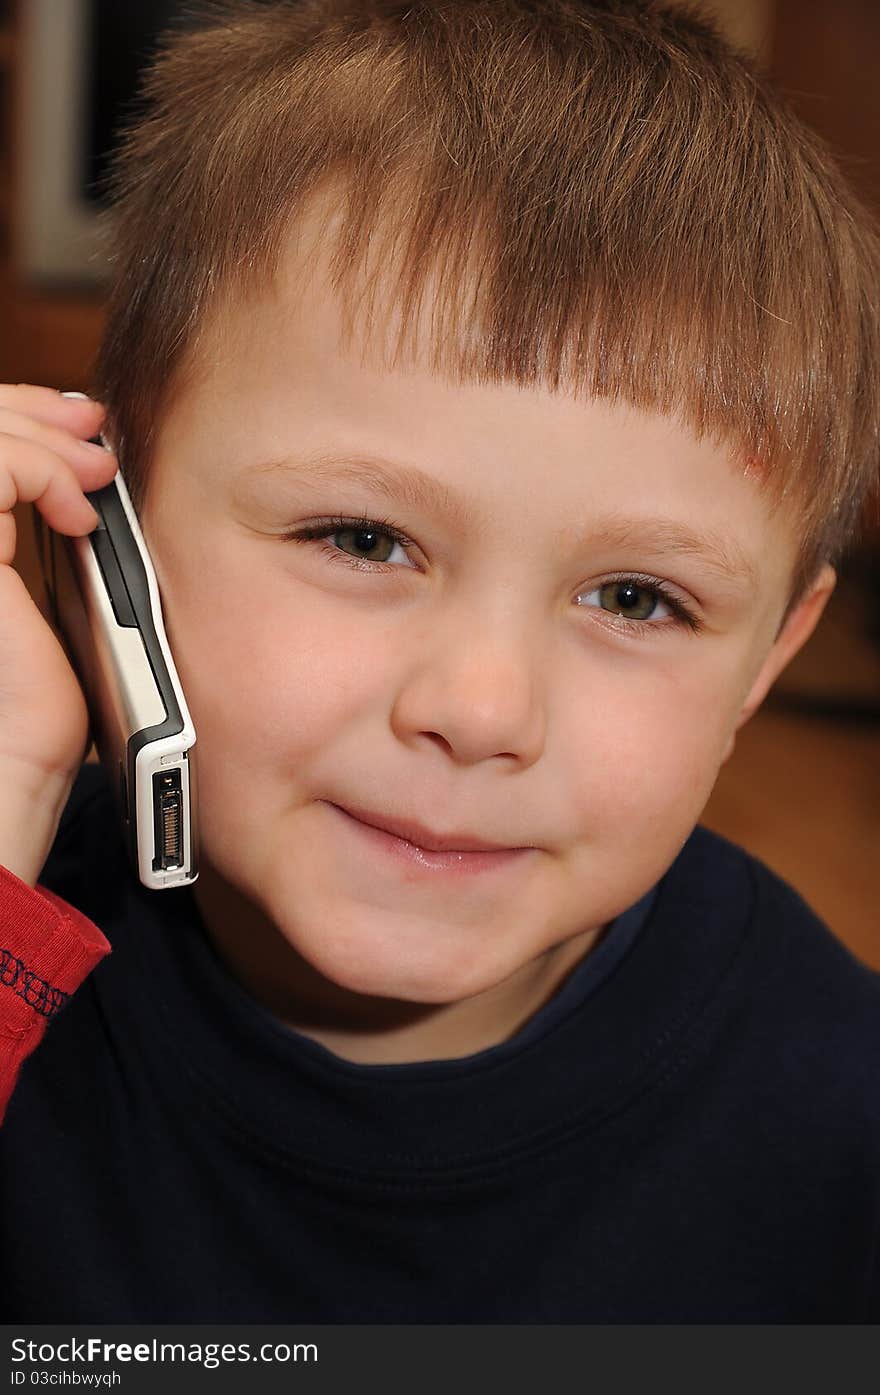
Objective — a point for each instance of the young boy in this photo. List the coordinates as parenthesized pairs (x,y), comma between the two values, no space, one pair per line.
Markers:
(497,387)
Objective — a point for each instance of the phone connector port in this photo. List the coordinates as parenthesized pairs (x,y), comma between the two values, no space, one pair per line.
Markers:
(167,820)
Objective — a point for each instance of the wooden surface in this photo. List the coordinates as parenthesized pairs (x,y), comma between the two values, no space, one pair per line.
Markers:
(802,792)
(46,336)
(825,59)
(48,339)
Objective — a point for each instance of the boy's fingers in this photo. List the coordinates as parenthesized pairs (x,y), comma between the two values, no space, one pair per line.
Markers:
(45,404)
(75,450)
(32,474)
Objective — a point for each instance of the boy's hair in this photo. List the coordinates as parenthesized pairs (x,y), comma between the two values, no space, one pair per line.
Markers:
(605,197)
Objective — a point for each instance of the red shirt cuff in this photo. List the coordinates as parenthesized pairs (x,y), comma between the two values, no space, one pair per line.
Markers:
(47,948)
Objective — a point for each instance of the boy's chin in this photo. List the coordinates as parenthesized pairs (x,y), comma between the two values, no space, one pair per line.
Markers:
(424,967)
(380,1004)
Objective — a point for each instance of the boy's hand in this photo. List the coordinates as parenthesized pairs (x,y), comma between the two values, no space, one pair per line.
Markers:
(45,459)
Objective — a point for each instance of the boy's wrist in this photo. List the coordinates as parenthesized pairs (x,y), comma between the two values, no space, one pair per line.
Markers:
(28,824)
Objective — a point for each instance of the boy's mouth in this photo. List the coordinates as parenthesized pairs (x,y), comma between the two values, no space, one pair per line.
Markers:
(400,849)
(415,833)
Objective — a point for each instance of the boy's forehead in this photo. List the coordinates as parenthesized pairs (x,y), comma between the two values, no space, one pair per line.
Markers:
(364,308)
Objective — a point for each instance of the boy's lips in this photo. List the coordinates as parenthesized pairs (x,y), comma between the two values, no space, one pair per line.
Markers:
(421,837)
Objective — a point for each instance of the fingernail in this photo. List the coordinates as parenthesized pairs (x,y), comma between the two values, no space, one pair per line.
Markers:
(83,396)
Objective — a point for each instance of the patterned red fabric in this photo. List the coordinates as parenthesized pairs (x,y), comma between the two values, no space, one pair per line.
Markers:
(47,948)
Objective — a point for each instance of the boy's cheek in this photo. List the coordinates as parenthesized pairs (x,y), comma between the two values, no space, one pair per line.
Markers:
(654,784)
(275,706)
(268,708)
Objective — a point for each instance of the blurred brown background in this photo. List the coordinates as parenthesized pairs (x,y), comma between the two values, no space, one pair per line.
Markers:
(802,790)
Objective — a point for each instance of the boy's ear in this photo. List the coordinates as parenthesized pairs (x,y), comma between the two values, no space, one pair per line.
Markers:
(793,636)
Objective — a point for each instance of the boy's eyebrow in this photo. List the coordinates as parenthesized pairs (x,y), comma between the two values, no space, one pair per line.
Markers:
(399,483)
(409,485)
(722,556)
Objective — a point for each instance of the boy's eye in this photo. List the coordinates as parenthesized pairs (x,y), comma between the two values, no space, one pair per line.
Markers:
(377,545)
(625,594)
(376,539)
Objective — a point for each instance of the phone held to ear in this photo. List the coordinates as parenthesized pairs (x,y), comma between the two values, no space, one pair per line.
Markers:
(105,604)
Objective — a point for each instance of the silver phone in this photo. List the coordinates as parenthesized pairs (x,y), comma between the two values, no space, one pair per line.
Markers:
(105,604)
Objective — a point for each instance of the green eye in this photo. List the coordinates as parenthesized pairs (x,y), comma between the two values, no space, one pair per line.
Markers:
(366,535)
(367,540)
(623,595)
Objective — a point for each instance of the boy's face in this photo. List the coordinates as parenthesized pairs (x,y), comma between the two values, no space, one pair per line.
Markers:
(484,682)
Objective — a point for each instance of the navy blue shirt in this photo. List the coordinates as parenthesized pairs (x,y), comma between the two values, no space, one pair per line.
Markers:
(689,1131)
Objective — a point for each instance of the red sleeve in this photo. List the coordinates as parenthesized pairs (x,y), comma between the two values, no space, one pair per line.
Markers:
(46,950)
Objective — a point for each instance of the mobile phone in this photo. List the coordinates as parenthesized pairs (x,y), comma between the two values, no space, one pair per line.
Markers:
(105,604)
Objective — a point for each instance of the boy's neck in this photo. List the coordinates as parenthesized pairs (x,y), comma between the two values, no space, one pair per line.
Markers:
(363,1029)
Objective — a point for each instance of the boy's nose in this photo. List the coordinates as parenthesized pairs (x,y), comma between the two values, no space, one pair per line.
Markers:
(482,696)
